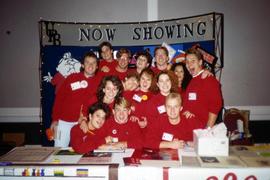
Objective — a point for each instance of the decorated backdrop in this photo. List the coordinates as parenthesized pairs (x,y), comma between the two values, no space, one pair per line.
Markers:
(63,44)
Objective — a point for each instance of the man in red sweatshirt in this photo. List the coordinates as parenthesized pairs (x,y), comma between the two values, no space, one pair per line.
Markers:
(173,130)
(123,132)
(203,96)
(95,136)
(68,101)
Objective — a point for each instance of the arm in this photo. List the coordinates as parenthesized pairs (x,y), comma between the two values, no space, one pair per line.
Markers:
(120,145)
(188,114)
(105,69)
(113,146)
(142,122)
(83,145)
(206,73)
(83,121)
(60,97)
(175,144)
(211,119)
(135,136)
(86,104)
(152,136)
(215,101)
(82,117)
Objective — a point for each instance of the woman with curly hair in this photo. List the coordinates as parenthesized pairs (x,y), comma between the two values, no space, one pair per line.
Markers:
(108,91)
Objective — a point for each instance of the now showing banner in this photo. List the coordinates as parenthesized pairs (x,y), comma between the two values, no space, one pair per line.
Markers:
(198,28)
(63,44)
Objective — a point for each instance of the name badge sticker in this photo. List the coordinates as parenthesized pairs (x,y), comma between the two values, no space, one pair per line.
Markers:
(114,139)
(167,137)
(75,85)
(192,96)
(161,109)
(137,98)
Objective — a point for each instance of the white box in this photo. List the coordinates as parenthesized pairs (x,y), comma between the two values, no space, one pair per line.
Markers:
(210,146)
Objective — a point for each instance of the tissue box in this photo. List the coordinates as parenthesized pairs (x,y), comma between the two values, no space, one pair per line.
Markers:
(210,146)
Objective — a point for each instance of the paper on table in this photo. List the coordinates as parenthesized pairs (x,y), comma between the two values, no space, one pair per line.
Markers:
(110,150)
(218,161)
(218,130)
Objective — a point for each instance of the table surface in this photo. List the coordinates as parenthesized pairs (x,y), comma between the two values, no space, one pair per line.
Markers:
(66,167)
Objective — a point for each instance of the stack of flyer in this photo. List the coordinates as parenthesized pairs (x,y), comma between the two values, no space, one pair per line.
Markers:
(156,158)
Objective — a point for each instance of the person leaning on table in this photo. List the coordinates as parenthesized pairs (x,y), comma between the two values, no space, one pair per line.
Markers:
(173,129)
(83,142)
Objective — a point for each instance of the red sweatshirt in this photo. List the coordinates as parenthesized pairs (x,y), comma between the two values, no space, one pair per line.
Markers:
(57,80)
(156,70)
(83,143)
(182,131)
(72,94)
(137,99)
(121,75)
(141,107)
(114,72)
(155,107)
(110,65)
(91,101)
(129,132)
(203,96)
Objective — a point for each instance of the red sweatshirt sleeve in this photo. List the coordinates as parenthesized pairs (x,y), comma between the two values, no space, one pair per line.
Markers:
(59,99)
(135,136)
(87,103)
(215,100)
(83,143)
(152,135)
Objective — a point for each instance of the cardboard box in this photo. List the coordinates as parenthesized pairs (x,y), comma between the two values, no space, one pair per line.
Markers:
(210,146)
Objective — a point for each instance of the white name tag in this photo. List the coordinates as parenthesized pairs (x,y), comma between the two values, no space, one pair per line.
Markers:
(115,140)
(192,96)
(167,137)
(79,85)
(75,85)
(161,109)
(137,98)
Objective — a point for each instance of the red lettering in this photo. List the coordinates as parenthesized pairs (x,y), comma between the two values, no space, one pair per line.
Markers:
(251,177)
(230,176)
(212,178)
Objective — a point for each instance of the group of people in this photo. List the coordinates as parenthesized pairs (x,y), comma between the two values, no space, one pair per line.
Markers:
(109,106)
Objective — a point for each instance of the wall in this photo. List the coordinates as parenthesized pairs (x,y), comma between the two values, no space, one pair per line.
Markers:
(19,46)
(244,78)
(245,75)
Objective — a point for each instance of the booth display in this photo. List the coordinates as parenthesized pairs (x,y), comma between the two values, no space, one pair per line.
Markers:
(244,162)
(63,44)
